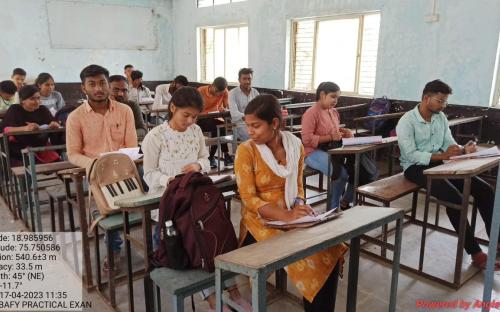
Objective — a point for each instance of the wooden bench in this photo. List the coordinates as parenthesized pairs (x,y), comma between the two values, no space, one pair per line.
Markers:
(309,172)
(110,225)
(181,284)
(386,191)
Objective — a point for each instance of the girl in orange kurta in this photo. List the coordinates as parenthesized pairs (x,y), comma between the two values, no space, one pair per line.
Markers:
(269,175)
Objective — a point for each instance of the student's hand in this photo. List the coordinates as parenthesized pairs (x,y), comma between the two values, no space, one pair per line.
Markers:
(470,147)
(31,126)
(346,133)
(299,211)
(54,125)
(336,136)
(453,150)
(193,167)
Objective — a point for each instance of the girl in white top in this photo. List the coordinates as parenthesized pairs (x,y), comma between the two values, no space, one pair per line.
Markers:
(138,92)
(176,147)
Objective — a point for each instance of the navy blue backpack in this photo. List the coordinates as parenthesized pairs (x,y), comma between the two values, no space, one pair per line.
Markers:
(378,106)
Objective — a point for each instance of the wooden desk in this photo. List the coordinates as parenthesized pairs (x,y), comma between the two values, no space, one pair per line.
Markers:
(343,109)
(76,175)
(144,205)
(298,105)
(459,169)
(357,150)
(390,116)
(284,101)
(7,188)
(224,114)
(458,122)
(262,258)
(32,170)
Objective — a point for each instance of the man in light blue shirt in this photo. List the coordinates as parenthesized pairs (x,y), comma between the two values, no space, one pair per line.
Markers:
(425,140)
(238,101)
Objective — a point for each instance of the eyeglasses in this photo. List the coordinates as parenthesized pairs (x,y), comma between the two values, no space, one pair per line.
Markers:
(444,102)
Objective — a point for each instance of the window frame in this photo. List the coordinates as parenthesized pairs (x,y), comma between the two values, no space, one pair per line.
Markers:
(202,53)
(317,20)
(213,3)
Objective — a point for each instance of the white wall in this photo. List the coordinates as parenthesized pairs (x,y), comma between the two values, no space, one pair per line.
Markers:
(26,43)
(459,49)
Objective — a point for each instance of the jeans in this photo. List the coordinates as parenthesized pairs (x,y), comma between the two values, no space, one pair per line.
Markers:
(319,160)
(451,191)
(116,241)
(242,133)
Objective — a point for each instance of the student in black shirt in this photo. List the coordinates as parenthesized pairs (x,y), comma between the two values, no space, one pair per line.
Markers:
(28,116)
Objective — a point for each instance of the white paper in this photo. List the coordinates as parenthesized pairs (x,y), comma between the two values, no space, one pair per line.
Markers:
(132,152)
(146,101)
(305,219)
(362,140)
(53,111)
(43,127)
(492,151)
(218,177)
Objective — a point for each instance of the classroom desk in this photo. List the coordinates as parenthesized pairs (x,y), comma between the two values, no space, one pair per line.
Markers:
(258,260)
(144,205)
(382,117)
(458,169)
(458,122)
(357,150)
(216,114)
(76,175)
(32,170)
(7,188)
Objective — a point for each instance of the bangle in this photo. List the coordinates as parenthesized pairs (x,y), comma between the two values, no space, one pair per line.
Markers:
(298,201)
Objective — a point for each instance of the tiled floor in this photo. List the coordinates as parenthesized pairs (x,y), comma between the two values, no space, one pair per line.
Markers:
(374,277)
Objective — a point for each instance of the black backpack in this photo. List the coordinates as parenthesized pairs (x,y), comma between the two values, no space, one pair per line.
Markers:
(204,229)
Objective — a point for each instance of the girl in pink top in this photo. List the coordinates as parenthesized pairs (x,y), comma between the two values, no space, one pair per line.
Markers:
(321,131)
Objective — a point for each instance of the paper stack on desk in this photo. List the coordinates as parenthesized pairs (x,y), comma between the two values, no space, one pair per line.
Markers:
(132,152)
(306,220)
(362,140)
(488,152)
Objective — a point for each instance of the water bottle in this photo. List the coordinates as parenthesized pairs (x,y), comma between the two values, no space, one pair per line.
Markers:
(170,229)
(176,255)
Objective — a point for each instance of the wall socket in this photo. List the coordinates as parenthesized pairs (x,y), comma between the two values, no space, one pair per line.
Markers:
(431,18)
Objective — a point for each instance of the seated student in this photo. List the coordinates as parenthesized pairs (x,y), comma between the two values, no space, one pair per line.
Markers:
(29,116)
(18,77)
(425,140)
(321,131)
(215,97)
(268,171)
(164,92)
(119,92)
(97,126)
(238,100)
(50,98)
(176,147)
(138,91)
(8,92)
(127,70)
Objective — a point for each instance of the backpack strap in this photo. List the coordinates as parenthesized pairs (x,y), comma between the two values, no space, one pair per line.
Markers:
(95,221)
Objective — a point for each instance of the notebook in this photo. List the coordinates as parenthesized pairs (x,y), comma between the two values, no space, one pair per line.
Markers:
(362,140)
(305,221)
(488,152)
